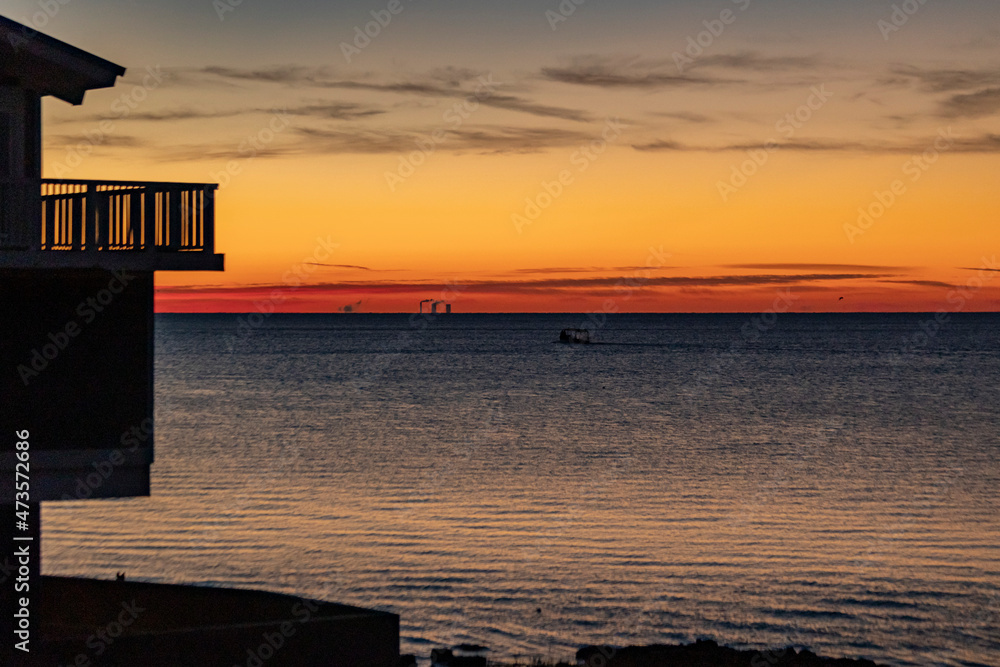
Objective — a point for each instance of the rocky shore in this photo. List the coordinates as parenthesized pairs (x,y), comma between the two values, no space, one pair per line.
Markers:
(703,653)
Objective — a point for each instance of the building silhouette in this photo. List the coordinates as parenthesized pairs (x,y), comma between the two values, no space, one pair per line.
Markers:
(77,260)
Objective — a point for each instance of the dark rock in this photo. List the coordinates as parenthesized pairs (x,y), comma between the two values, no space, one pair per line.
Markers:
(706,653)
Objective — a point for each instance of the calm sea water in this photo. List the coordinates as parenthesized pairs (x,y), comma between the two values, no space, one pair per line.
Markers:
(825,481)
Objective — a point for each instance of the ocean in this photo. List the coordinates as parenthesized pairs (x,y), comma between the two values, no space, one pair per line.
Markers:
(827,481)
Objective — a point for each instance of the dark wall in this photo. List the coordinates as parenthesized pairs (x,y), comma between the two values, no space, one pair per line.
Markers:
(20,134)
(76,357)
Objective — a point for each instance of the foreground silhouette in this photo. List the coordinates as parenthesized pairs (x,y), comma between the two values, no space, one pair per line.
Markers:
(703,653)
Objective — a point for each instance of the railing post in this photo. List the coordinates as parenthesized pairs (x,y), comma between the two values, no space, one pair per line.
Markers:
(32,203)
(6,236)
(50,223)
(76,208)
(208,219)
(175,218)
(19,229)
(149,219)
(135,219)
(93,218)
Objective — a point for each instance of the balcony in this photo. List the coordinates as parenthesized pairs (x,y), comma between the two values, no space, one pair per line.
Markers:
(59,223)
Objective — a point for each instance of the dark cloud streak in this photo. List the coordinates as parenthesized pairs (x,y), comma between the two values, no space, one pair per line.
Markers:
(552,285)
(972,105)
(981,144)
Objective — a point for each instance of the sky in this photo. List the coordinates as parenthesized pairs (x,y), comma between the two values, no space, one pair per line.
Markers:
(574,156)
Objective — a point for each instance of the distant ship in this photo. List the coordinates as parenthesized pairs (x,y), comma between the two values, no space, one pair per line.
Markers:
(581,336)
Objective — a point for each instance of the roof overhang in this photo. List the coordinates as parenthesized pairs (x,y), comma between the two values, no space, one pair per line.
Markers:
(46,66)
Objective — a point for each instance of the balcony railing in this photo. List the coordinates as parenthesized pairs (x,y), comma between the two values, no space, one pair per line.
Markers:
(61,215)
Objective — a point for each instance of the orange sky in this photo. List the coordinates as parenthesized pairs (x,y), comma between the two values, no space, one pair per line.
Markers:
(577,167)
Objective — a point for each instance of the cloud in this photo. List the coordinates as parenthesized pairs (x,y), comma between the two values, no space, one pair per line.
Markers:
(286,74)
(108,141)
(942,80)
(803,145)
(815,267)
(512,103)
(608,72)
(980,144)
(341,266)
(333,110)
(448,82)
(490,139)
(539,286)
(665,145)
(685,116)
(319,110)
(167,115)
(754,60)
(485,98)
(588,269)
(318,141)
(921,283)
(353,267)
(636,72)
(972,105)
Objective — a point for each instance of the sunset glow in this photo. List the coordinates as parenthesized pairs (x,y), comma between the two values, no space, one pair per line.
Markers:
(625,157)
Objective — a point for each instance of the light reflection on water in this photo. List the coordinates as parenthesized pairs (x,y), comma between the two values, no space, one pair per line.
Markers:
(490,485)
